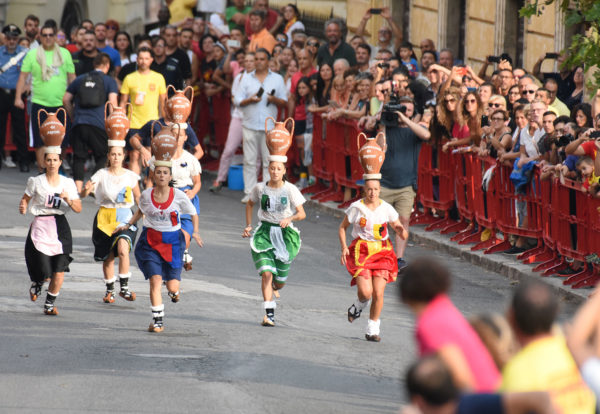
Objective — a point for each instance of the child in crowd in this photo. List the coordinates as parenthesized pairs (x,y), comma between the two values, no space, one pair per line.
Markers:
(304,122)
(590,181)
(407,55)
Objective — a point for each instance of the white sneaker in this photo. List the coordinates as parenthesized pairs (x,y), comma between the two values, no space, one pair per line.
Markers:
(8,162)
(246,198)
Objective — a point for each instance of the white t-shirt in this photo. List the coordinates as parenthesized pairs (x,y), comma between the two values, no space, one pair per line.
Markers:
(165,217)
(368,224)
(530,142)
(183,169)
(114,191)
(276,203)
(45,199)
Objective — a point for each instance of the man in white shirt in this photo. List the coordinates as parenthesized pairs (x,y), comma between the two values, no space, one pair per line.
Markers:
(257,106)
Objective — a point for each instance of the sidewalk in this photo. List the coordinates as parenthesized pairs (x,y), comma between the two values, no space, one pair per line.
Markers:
(507,266)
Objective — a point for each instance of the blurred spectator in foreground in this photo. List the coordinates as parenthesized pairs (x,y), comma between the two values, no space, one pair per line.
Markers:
(443,330)
(432,391)
(544,362)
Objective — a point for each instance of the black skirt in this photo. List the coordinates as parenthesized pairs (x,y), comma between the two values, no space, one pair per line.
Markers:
(41,266)
(104,244)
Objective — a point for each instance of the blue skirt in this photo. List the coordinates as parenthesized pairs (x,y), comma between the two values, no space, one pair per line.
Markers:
(151,260)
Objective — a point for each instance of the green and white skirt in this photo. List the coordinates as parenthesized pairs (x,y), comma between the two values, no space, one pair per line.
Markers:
(274,248)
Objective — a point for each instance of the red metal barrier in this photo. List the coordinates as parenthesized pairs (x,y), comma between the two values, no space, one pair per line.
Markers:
(464,193)
(435,183)
(485,202)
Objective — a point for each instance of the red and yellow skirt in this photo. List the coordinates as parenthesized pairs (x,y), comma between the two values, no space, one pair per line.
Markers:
(372,259)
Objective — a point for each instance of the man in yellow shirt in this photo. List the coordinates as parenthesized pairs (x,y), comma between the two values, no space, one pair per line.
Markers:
(146,91)
(544,362)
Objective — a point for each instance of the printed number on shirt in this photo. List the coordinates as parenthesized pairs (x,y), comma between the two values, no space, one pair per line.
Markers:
(273,204)
(53,201)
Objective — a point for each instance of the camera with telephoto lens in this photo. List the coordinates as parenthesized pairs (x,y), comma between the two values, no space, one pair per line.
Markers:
(389,117)
(564,140)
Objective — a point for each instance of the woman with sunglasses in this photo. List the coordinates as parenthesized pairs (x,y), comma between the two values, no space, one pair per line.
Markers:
(513,96)
(112,28)
(468,128)
(312,44)
(497,140)
(291,14)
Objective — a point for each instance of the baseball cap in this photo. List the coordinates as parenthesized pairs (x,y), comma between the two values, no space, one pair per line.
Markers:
(11,30)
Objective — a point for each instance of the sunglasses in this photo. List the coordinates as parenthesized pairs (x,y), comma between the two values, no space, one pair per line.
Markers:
(529,91)
(313,44)
(449,100)
(47,35)
(495,105)
(281,39)
(470,101)
(112,27)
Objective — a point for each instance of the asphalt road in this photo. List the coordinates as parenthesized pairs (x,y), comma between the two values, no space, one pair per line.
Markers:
(213,357)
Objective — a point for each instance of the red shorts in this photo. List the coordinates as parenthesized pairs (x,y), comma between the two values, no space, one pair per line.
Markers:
(370,259)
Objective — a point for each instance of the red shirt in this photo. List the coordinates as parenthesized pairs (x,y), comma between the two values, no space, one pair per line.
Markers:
(72,47)
(300,111)
(590,149)
(272,16)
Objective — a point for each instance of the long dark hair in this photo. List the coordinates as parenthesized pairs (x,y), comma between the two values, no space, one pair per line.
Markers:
(129,50)
(305,80)
(323,93)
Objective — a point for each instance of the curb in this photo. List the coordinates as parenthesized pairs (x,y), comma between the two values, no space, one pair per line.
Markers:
(513,270)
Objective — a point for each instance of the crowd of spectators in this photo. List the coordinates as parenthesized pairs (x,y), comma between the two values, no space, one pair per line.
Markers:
(254,62)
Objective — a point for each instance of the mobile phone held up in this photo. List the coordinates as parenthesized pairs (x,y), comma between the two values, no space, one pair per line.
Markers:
(233,43)
(551,55)
(260,92)
(375,11)
(272,93)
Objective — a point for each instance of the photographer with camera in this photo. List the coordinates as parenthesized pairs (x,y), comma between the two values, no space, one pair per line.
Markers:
(399,170)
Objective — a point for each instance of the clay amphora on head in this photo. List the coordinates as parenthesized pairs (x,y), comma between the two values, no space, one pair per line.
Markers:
(52,131)
(164,144)
(372,154)
(116,122)
(178,107)
(279,139)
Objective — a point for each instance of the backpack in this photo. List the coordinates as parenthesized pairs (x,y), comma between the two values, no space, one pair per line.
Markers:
(91,90)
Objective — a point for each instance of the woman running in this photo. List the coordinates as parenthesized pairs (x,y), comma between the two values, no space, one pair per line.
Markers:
(159,251)
(186,171)
(116,191)
(275,242)
(49,244)
(370,259)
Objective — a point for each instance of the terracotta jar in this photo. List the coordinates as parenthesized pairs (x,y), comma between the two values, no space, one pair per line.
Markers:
(279,139)
(372,154)
(52,130)
(116,122)
(179,106)
(164,144)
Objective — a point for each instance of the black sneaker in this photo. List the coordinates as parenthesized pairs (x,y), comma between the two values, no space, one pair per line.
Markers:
(174,297)
(268,320)
(373,338)
(568,271)
(35,290)
(156,325)
(353,313)
(401,264)
(514,250)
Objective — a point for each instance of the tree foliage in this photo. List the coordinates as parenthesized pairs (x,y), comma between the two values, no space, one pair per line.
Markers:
(585,48)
